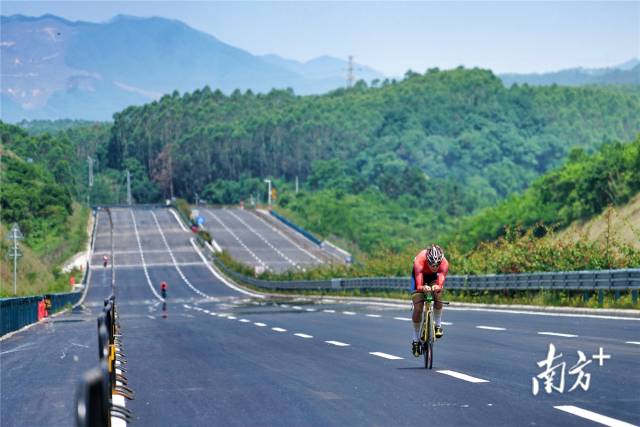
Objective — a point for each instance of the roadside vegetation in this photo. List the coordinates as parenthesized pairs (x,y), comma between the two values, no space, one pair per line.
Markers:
(37,185)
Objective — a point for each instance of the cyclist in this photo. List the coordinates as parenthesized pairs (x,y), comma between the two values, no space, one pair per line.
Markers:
(430,269)
(105,260)
(163,289)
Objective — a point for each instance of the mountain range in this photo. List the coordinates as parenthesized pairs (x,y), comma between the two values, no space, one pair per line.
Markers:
(53,68)
(626,73)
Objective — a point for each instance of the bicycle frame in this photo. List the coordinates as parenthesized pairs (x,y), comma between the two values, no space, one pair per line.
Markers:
(428,331)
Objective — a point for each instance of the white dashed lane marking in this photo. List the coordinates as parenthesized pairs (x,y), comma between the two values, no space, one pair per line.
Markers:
(259,324)
(303,335)
(632,342)
(557,334)
(462,376)
(235,236)
(593,416)
(491,328)
(349,313)
(279,329)
(244,320)
(385,355)
(406,319)
(329,311)
(254,231)
(373,315)
(337,343)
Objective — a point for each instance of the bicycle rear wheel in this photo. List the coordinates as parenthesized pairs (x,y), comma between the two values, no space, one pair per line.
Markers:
(427,346)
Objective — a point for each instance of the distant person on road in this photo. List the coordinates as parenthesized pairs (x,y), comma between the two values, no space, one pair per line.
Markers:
(163,289)
(163,293)
(105,260)
(429,272)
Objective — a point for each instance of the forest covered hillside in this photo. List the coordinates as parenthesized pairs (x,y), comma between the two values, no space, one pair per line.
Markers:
(460,129)
(37,195)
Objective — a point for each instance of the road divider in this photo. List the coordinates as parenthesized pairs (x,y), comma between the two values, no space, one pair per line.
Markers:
(101,395)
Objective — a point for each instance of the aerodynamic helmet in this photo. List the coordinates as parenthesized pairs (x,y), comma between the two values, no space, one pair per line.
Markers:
(434,255)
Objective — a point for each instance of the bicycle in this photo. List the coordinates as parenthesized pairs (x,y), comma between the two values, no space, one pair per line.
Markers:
(428,330)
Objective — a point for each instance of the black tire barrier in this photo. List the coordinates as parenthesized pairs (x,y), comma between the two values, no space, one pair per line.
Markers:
(94,403)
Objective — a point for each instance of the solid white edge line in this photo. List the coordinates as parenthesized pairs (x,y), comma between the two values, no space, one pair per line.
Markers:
(144,265)
(222,278)
(298,334)
(173,259)
(385,355)
(338,343)
(557,334)
(178,219)
(491,328)
(593,416)
(462,376)
(214,246)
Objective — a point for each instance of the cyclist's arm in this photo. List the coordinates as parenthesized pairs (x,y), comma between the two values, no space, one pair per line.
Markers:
(443,270)
(417,274)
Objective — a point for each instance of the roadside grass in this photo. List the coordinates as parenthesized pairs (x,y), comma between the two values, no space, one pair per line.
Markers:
(39,269)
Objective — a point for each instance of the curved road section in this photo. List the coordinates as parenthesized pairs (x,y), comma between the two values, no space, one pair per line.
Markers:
(221,357)
(254,241)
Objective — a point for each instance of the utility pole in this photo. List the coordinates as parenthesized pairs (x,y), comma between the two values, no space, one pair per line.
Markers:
(268,181)
(351,78)
(296,184)
(90,160)
(129,201)
(14,252)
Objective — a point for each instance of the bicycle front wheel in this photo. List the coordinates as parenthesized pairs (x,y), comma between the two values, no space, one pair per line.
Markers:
(428,354)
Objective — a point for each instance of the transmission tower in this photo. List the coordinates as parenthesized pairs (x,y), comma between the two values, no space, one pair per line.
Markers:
(351,77)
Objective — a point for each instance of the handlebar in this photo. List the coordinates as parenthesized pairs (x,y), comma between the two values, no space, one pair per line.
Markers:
(428,297)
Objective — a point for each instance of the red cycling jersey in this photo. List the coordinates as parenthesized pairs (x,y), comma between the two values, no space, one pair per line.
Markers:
(421,269)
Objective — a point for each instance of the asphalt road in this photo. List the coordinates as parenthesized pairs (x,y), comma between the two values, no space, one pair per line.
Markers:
(253,241)
(222,357)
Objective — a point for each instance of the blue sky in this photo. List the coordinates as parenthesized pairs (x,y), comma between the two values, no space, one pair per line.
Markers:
(392,36)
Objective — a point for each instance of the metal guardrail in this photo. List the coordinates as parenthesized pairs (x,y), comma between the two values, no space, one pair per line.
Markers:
(21,311)
(586,281)
(296,227)
(572,280)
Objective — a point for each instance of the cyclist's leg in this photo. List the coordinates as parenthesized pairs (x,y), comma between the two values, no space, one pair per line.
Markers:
(418,306)
(437,313)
